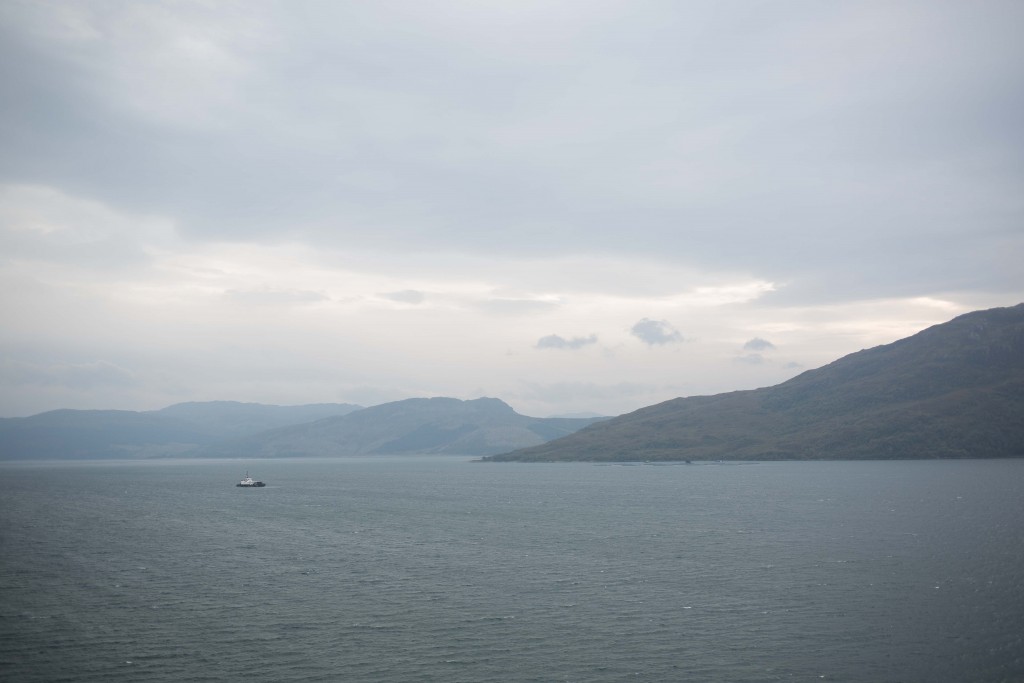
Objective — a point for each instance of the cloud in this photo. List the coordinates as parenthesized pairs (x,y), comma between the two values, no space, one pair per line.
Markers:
(755,347)
(758,344)
(554,341)
(421,187)
(654,332)
(409,141)
(272,297)
(501,306)
(41,224)
(406,296)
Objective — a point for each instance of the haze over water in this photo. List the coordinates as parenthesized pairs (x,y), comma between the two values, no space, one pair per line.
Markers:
(434,569)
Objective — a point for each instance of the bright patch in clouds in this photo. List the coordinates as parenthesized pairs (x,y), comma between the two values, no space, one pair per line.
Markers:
(304,324)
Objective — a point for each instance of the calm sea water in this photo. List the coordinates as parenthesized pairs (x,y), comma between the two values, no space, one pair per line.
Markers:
(441,569)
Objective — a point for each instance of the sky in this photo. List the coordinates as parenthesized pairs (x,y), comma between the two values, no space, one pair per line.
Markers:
(573,206)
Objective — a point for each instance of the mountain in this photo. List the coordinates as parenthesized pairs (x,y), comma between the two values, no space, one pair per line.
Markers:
(418,425)
(75,434)
(231,419)
(174,431)
(955,390)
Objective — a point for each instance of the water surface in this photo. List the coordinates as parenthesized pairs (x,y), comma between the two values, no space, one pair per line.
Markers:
(441,569)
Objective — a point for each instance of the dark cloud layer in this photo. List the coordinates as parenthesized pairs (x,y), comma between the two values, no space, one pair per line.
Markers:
(830,139)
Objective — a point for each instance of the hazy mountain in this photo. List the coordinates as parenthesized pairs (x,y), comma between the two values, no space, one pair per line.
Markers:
(177,430)
(97,434)
(418,425)
(230,419)
(954,390)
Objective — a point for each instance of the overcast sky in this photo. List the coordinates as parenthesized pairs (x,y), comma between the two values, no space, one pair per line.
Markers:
(571,206)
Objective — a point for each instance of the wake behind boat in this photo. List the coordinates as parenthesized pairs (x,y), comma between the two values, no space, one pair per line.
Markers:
(249,482)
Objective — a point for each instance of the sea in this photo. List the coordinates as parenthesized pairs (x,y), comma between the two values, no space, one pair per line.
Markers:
(412,569)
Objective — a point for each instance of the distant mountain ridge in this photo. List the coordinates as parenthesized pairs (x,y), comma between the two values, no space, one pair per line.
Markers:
(955,390)
(233,419)
(449,426)
(251,430)
(177,430)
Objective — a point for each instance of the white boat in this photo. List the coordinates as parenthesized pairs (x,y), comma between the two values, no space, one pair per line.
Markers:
(249,482)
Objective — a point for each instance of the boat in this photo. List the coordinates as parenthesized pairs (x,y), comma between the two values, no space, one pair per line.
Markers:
(249,482)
